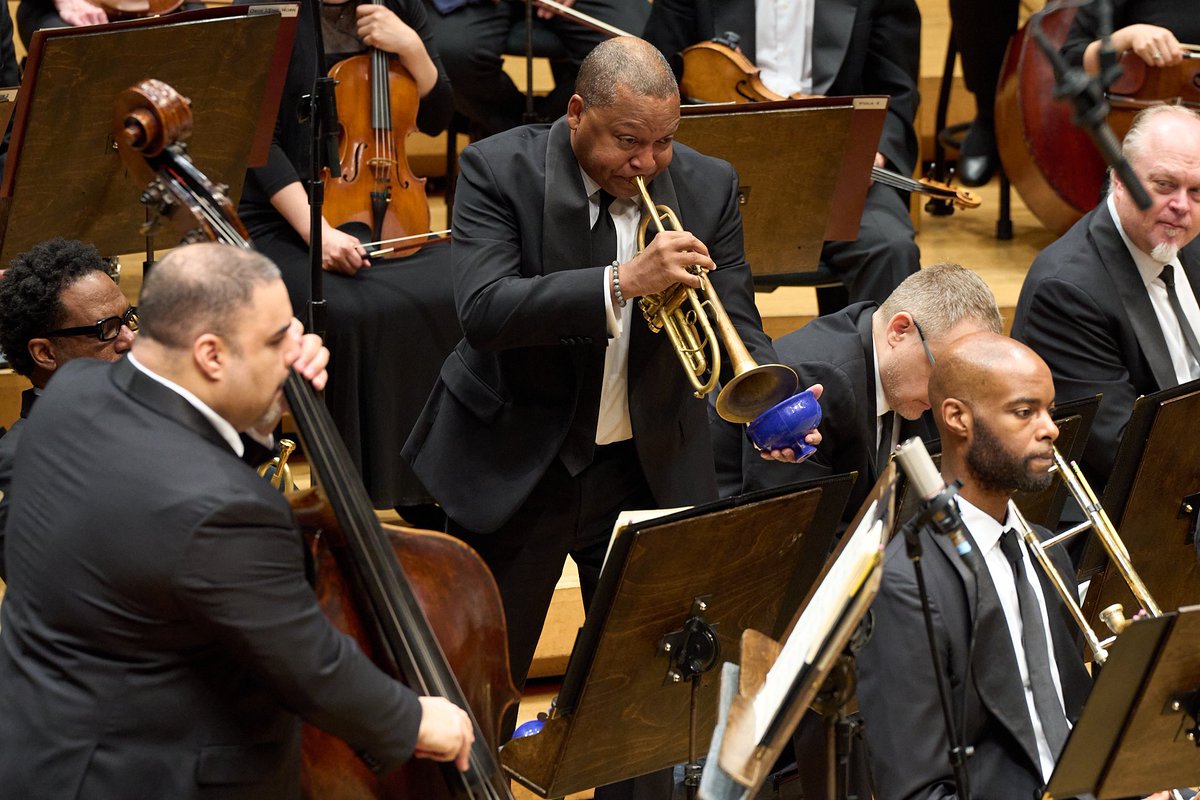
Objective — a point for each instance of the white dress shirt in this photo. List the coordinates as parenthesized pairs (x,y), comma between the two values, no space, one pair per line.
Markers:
(613,424)
(783,44)
(987,531)
(1182,361)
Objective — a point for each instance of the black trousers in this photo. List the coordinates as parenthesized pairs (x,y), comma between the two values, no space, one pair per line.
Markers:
(471,41)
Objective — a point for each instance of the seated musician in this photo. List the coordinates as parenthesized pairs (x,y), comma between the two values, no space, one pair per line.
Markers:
(873,361)
(1019,686)
(1112,305)
(1153,29)
(57,303)
(854,48)
(390,323)
(158,634)
(560,407)
(471,36)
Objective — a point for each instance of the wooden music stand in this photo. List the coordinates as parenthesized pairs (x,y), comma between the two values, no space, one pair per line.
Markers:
(64,175)
(1152,498)
(794,197)
(778,680)
(1138,731)
(625,707)
(1074,421)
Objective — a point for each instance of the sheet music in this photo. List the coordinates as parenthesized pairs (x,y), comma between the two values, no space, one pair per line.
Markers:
(816,622)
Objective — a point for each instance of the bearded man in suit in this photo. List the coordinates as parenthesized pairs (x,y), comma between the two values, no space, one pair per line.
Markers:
(1111,306)
(158,634)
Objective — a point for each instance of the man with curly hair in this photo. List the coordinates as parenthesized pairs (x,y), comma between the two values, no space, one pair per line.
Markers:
(57,303)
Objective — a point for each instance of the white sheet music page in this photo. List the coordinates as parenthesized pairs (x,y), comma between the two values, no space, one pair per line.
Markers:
(819,617)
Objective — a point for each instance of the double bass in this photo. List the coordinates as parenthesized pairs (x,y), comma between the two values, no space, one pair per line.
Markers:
(377,198)
(421,604)
(1053,164)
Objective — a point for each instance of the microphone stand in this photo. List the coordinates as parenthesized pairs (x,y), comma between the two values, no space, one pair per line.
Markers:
(1087,95)
(320,108)
(529,116)
(930,511)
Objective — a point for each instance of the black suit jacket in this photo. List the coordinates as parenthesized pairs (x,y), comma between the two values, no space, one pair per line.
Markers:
(897,691)
(837,352)
(158,635)
(8,455)
(859,47)
(532,309)
(1084,309)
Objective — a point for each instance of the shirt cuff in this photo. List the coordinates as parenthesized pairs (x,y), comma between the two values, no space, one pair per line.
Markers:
(611,314)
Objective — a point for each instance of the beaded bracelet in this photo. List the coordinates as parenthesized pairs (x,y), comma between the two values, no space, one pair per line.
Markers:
(616,283)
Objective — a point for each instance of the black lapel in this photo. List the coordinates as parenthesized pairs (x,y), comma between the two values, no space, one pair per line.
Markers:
(737,16)
(994,661)
(1123,273)
(565,229)
(158,398)
(1189,257)
(1075,680)
(833,22)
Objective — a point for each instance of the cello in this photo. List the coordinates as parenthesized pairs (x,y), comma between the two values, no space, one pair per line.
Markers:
(377,196)
(421,604)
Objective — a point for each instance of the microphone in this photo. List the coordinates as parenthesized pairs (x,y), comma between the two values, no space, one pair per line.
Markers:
(327,116)
(938,508)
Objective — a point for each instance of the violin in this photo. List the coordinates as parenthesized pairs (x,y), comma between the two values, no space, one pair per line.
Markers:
(715,72)
(118,10)
(423,605)
(1141,86)
(377,196)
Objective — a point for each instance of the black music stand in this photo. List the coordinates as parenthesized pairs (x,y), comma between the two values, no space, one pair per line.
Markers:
(674,596)
(1074,420)
(1153,500)
(67,178)
(777,681)
(793,198)
(1138,731)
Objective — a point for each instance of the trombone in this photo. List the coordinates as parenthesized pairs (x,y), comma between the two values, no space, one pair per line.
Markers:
(683,312)
(1097,519)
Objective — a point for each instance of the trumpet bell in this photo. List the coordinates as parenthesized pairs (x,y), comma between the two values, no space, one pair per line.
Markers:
(754,390)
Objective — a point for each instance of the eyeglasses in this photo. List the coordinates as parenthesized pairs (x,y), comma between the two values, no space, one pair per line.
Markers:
(106,329)
(925,344)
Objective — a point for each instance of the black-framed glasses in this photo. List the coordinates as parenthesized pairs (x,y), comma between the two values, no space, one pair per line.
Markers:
(925,344)
(105,330)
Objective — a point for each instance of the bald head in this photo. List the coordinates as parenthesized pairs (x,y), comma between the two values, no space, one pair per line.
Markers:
(991,398)
(624,62)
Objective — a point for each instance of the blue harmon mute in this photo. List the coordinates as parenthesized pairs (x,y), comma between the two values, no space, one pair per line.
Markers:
(785,424)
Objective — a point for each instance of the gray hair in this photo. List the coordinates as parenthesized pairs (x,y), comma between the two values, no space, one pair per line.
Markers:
(1133,145)
(940,296)
(198,289)
(627,62)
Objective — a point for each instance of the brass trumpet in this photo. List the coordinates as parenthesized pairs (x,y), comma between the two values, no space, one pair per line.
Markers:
(682,312)
(1097,520)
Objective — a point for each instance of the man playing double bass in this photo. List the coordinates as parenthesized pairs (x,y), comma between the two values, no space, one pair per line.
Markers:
(158,635)
(560,407)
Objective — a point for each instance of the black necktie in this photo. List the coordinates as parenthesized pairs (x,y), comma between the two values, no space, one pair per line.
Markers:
(1189,336)
(887,424)
(580,445)
(604,233)
(1037,648)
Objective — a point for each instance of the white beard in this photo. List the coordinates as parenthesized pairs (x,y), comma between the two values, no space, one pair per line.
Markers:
(1164,252)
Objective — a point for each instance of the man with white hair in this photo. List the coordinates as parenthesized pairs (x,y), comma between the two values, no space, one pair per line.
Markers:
(1111,306)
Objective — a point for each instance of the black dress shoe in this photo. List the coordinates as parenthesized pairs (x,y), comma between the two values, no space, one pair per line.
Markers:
(977,159)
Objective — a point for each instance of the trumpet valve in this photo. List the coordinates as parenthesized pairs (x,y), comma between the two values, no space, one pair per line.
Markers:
(1114,618)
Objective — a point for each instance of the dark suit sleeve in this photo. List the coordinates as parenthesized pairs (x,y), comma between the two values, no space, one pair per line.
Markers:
(891,68)
(1074,337)
(242,576)
(672,27)
(897,691)
(498,305)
